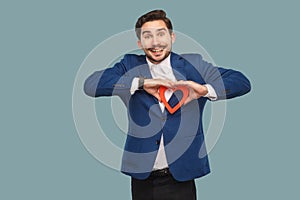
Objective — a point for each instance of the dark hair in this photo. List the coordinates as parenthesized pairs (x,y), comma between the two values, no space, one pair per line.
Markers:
(152,16)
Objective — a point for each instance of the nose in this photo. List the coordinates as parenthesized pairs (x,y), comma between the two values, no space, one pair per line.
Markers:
(155,41)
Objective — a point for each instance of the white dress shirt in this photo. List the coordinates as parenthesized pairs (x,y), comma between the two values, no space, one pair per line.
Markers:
(164,70)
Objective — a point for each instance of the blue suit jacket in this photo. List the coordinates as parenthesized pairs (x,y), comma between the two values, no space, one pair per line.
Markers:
(183,131)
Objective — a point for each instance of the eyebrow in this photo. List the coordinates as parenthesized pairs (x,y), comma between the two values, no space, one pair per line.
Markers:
(161,29)
(158,30)
(144,32)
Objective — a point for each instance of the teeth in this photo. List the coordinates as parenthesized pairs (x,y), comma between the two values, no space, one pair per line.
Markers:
(156,50)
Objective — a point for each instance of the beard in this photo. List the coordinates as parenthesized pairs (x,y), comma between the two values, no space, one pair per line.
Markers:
(157,54)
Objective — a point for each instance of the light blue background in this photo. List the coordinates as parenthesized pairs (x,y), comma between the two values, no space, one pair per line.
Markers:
(42,45)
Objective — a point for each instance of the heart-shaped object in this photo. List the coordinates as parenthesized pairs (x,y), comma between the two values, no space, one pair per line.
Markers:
(185,94)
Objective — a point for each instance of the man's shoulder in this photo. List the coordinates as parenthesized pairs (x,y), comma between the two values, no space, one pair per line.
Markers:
(187,56)
(130,61)
(134,57)
(195,59)
(191,56)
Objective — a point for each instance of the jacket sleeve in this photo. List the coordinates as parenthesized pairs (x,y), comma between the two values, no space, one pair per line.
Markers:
(227,83)
(111,81)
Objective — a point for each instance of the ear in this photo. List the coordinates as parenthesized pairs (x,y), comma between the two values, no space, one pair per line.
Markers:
(139,43)
(173,37)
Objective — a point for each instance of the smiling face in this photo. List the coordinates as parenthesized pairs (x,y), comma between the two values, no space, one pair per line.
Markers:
(156,40)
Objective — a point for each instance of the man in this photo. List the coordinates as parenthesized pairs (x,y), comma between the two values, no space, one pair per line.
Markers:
(164,151)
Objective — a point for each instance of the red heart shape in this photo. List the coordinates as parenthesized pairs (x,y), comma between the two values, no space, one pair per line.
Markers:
(185,94)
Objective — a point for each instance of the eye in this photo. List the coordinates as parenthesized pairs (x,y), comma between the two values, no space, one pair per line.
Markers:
(161,34)
(147,36)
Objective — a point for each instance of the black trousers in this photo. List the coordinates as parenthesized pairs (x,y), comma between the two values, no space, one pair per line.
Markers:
(162,188)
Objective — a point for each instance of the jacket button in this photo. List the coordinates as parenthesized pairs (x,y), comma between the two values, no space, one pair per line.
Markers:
(157,142)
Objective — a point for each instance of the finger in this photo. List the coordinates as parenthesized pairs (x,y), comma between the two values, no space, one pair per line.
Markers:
(157,97)
(181,83)
(188,100)
(167,84)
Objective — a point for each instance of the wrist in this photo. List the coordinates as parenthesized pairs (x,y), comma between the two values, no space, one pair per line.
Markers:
(202,90)
(205,90)
(141,83)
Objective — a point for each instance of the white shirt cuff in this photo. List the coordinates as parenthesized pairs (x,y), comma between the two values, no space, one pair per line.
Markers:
(134,85)
(211,94)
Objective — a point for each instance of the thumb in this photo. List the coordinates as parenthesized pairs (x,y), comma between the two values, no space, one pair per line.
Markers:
(157,96)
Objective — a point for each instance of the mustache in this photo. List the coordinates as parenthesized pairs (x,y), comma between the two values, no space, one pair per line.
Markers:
(157,46)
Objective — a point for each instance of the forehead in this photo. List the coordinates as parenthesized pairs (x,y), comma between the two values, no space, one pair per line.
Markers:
(154,25)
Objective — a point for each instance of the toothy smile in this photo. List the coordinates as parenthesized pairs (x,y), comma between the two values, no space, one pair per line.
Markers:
(156,50)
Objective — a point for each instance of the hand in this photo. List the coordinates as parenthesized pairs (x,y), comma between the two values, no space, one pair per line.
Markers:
(196,90)
(152,86)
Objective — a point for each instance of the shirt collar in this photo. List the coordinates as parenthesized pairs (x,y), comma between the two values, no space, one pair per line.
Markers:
(165,62)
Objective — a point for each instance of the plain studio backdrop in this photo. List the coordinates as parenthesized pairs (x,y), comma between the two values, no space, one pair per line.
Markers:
(43,44)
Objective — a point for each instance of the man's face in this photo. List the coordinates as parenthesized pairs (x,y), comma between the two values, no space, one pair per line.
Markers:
(156,40)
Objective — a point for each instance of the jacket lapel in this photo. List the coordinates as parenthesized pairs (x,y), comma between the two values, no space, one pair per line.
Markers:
(177,64)
(143,67)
